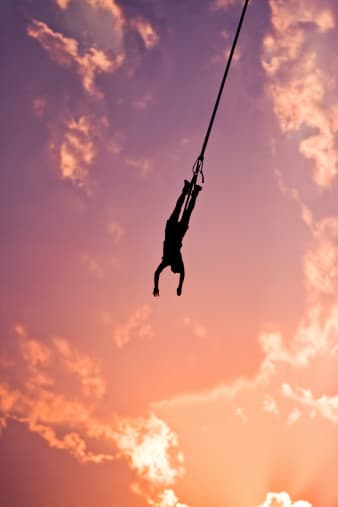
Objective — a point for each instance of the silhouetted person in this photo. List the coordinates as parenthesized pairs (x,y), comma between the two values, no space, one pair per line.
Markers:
(174,231)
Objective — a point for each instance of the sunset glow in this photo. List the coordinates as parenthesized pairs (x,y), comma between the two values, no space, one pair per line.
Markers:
(226,396)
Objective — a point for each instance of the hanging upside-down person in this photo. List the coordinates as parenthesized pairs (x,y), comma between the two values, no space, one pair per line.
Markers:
(174,231)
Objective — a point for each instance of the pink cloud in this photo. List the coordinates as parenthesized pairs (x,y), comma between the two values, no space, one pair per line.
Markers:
(143,165)
(143,102)
(224,4)
(65,51)
(298,84)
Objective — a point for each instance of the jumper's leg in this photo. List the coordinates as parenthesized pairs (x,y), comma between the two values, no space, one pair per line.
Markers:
(187,212)
(180,201)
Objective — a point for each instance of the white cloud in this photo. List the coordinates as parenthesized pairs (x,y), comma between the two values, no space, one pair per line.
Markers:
(282,500)
(294,416)
(270,405)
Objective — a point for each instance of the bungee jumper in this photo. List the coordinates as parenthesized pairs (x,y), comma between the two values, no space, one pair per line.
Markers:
(175,230)
(175,227)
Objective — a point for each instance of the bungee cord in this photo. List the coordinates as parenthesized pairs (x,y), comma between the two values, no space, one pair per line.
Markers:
(198,165)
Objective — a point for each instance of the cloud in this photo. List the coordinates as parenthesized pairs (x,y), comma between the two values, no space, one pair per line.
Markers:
(146,31)
(284,400)
(137,326)
(326,406)
(221,57)
(66,419)
(294,416)
(270,405)
(241,414)
(81,365)
(151,449)
(224,4)
(110,6)
(120,23)
(93,266)
(282,500)
(8,398)
(197,328)
(143,165)
(299,86)
(167,499)
(63,4)
(321,262)
(39,107)
(116,144)
(77,151)
(115,230)
(65,51)
(143,101)
(306,213)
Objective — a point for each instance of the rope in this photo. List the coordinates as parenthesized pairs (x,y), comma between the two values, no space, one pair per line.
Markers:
(198,165)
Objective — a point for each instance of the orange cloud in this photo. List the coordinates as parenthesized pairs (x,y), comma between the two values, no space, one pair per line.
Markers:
(8,398)
(110,6)
(69,422)
(65,51)
(77,151)
(137,326)
(146,32)
(84,367)
(63,4)
(142,26)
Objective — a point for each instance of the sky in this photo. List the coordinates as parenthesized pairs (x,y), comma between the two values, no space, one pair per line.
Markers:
(226,395)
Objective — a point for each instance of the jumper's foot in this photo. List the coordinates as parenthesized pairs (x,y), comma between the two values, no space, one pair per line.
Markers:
(186,188)
(196,189)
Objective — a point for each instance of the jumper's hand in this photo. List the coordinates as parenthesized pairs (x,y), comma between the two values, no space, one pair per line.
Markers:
(179,291)
(156,292)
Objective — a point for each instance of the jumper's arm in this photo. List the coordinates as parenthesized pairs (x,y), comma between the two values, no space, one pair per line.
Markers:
(157,273)
(180,284)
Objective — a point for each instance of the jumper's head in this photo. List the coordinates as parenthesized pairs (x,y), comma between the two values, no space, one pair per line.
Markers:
(177,266)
